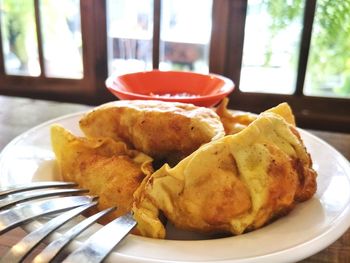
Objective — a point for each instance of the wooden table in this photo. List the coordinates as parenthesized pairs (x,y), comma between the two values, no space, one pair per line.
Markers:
(19,114)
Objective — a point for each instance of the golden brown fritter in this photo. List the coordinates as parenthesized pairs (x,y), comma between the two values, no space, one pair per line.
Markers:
(102,165)
(235,121)
(160,129)
(235,184)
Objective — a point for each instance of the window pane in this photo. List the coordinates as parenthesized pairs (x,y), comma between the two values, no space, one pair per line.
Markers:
(19,38)
(61,34)
(130,32)
(185,35)
(328,70)
(271,46)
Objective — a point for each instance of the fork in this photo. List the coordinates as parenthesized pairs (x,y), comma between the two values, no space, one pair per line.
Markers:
(16,215)
(22,207)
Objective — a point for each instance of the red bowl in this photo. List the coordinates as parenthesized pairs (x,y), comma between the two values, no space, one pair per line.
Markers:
(188,87)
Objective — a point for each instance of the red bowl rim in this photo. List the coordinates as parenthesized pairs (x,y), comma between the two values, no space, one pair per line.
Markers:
(227,88)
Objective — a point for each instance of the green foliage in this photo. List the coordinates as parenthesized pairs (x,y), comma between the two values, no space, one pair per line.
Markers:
(283,12)
(17,17)
(331,42)
(329,54)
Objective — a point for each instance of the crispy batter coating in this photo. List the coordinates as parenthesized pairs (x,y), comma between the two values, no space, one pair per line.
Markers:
(102,165)
(235,121)
(163,130)
(235,184)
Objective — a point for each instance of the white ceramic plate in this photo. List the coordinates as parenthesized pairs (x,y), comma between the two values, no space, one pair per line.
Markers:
(309,228)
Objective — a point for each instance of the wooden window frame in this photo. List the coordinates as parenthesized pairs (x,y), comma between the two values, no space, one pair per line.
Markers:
(89,89)
(226,48)
(314,112)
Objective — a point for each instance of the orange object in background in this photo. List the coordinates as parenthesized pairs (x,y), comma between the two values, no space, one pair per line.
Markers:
(188,87)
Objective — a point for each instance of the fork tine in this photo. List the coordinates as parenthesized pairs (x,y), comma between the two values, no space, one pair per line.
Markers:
(23,213)
(18,252)
(17,198)
(52,251)
(36,185)
(95,249)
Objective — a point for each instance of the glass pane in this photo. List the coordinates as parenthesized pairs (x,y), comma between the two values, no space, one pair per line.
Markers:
(19,38)
(130,32)
(271,46)
(61,34)
(328,70)
(185,35)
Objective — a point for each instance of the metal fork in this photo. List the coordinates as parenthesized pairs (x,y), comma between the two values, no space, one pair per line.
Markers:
(18,252)
(28,209)
(94,249)
(51,252)
(32,186)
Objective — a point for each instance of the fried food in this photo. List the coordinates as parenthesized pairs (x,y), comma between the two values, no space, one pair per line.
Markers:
(235,184)
(163,130)
(226,184)
(284,110)
(104,166)
(235,121)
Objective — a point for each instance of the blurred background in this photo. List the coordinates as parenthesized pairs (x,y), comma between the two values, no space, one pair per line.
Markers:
(274,50)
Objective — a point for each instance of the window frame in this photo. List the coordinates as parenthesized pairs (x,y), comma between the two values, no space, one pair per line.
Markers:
(313,112)
(226,49)
(94,54)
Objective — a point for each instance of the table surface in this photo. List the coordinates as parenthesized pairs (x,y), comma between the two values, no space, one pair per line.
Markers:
(17,115)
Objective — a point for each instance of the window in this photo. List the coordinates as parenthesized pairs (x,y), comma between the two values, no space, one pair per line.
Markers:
(311,109)
(45,52)
(329,74)
(130,33)
(57,35)
(274,50)
(271,46)
(184,41)
(61,38)
(20,47)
